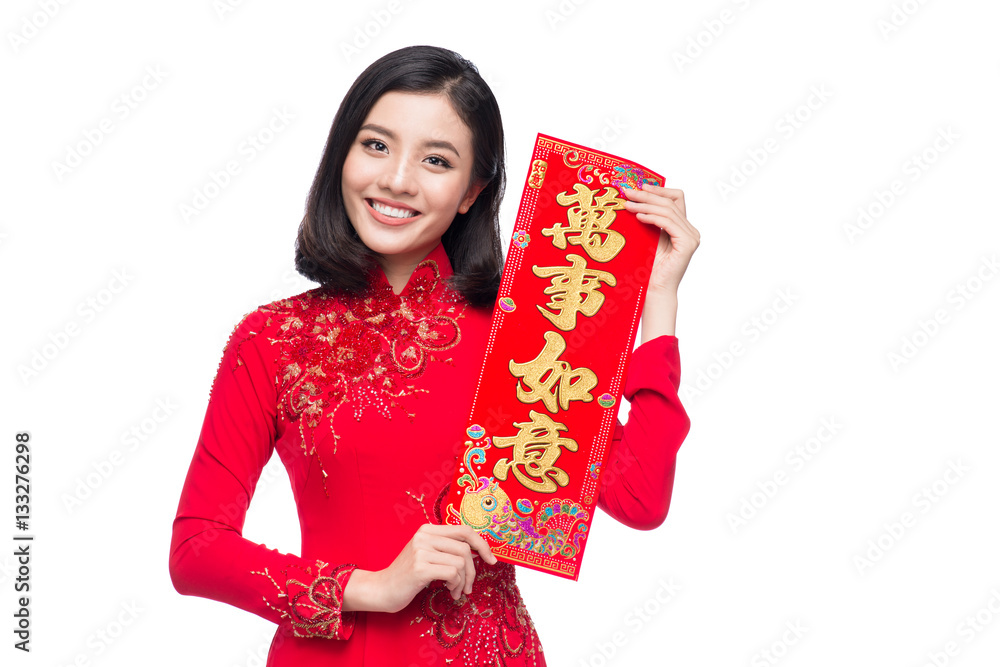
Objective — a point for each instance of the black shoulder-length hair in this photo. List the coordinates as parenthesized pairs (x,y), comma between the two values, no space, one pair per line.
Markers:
(328,250)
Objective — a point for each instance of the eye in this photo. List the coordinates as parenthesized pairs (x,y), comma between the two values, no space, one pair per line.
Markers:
(375,144)
(489,503)
(439,161)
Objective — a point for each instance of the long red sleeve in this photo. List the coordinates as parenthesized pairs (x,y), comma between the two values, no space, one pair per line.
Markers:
(209,556)
(638,482)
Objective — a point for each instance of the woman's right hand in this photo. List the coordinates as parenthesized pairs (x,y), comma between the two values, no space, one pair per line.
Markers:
(434,552)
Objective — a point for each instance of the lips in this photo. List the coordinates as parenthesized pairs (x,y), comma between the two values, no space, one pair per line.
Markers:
(391,213)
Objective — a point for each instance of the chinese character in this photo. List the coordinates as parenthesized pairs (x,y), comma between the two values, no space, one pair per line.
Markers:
(573,290)
(589,222)
(549,379)
(536,447)
(538,168)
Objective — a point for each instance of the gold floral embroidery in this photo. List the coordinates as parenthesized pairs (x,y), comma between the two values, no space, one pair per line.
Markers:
(486,627)
(315,608)
(364,350)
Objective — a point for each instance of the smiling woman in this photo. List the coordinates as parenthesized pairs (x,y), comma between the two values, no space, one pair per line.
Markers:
(406,177)
(363,386)
(458,111)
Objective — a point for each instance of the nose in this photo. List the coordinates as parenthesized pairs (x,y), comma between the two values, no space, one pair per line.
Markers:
(397,177)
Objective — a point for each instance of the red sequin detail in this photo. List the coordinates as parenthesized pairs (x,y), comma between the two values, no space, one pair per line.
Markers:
(485,627)
(362,349)
(315,606)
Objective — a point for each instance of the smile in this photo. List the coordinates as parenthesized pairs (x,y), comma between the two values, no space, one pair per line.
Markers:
(390,211)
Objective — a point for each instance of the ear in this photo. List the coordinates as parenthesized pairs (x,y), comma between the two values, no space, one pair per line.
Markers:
(470,196)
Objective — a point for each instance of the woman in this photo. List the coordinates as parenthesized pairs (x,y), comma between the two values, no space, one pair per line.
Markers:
(359,385)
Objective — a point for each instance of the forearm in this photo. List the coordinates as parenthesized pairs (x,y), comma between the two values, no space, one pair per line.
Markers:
(637,481)
(220,564)
(659,314)
(363,592)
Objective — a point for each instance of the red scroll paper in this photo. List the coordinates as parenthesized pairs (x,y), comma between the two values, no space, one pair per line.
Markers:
(562,333)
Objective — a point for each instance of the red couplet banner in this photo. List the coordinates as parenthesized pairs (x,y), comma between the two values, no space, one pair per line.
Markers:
(562,333)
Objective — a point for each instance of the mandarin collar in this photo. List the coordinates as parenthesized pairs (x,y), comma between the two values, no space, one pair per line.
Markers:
(437,255)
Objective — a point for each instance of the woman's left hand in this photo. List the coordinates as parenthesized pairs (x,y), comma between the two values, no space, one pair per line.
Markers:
(664,207)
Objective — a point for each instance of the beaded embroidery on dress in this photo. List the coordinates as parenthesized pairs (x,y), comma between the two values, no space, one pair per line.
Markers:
(362,350)
(314,606)
(365,351)
(485,627)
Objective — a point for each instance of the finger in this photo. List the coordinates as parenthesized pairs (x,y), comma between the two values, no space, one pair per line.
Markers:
(460,550)
(479,543)
(650,188)
(673,193)
(449,545)
(650,192)
(668,211)
(457,574)
(446,574)
(469,536)
(470,574)
(655,206)
(664,221)
(671,227)
(469,568)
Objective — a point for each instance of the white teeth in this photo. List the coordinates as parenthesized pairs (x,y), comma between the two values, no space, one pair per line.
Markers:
(392,212)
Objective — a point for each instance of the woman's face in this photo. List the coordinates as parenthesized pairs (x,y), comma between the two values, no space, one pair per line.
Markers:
(407,174)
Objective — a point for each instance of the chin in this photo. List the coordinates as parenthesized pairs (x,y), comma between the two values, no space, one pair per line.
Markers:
(397,247)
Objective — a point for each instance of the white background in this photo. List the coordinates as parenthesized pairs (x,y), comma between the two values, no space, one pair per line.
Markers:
(605,74)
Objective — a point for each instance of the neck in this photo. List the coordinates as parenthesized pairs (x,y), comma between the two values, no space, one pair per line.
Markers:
(397,273)
(398,268)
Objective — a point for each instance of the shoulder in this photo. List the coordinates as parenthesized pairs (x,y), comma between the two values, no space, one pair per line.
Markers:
(280,319)
(280,313)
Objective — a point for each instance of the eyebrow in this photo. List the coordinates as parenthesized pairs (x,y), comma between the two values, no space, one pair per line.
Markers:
(447,145)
